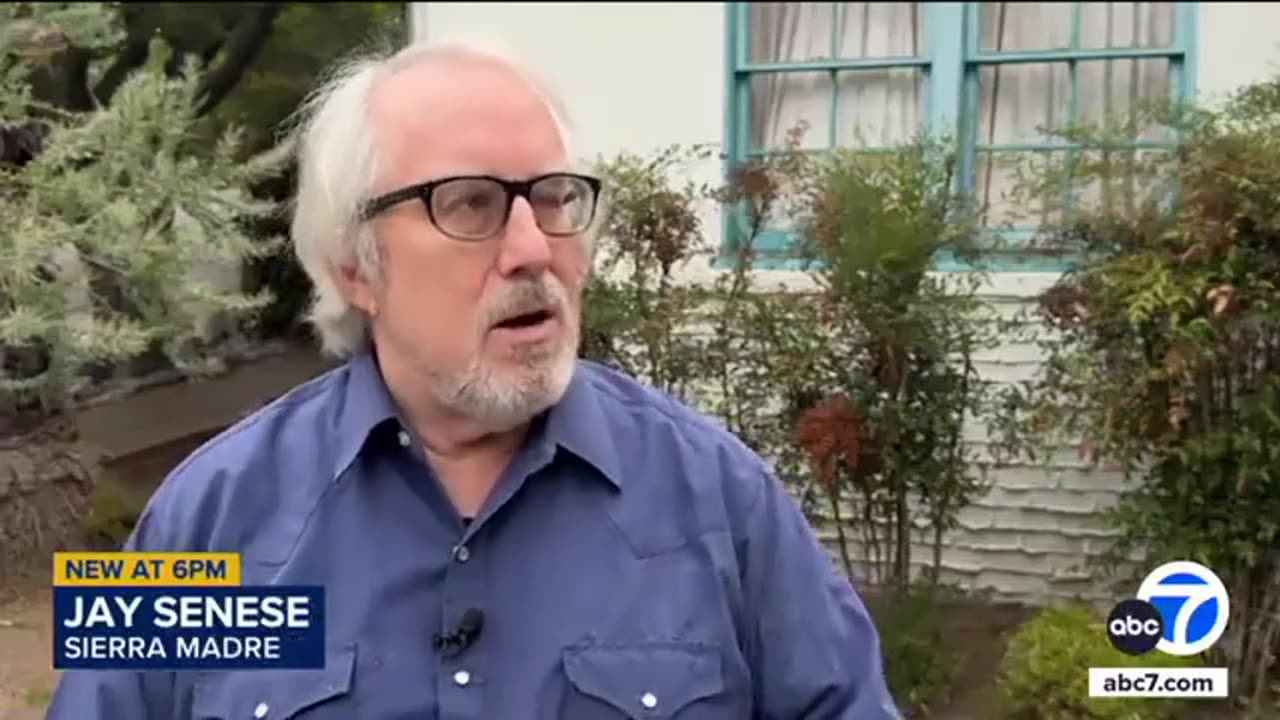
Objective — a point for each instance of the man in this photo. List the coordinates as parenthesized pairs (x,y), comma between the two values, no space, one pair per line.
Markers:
(608,552)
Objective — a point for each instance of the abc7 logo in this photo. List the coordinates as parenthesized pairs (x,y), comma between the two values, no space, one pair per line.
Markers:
(1181,609)
(1135,627)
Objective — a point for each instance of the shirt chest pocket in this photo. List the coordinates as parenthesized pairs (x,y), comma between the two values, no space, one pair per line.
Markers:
(644,681)
(277,694)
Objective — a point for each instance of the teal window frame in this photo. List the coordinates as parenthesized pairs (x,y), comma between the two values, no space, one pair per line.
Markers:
(949,62)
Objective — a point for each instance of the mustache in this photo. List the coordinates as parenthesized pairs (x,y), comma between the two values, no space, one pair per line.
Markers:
(528,295)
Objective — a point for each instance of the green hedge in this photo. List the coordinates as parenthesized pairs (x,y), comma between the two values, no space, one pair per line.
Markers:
(1045,671)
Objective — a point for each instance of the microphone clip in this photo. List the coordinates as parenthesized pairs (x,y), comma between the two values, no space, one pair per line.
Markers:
(452,643)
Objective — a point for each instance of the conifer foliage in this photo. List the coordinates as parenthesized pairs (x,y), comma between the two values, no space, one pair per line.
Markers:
(115,222)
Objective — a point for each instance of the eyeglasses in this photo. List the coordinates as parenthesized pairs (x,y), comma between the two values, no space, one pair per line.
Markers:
(476,207)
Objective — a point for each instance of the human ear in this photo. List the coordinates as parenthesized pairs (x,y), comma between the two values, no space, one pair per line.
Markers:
(356,288)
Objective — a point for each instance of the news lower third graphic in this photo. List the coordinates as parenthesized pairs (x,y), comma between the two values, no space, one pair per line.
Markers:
(1181,609)
(179,611)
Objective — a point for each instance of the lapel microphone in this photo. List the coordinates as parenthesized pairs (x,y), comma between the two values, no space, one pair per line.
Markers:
(462,636)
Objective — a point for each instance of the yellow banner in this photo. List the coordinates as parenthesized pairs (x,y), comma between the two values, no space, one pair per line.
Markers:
(146,568)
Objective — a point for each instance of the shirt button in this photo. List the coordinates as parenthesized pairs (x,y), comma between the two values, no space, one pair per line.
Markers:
(260,711)
(404,439)
(461,678)
(462,553)
(649,700)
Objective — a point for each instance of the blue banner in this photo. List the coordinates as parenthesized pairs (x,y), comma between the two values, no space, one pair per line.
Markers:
(189,627)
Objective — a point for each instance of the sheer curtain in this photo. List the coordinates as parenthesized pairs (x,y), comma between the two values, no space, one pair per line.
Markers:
(1015,102)
(872,107)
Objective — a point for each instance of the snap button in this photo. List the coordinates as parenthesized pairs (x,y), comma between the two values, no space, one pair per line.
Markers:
(404,439)
(260,711)
(649,700)
(461,678)
(461,553)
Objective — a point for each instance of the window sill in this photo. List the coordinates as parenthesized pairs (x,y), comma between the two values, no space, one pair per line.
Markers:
(945,264)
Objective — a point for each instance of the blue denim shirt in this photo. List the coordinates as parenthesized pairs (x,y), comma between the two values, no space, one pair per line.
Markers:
(635,561)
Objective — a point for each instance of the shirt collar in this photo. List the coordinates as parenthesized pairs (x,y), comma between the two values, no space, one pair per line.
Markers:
(580,425)
(366,405)
(577,423)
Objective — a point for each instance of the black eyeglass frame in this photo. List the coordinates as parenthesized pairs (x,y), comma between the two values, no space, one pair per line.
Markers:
(514,188)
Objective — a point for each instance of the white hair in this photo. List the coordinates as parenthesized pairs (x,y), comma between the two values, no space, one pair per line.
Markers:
(340,162)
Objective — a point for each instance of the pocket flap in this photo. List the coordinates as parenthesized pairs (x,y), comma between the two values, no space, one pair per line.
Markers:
(273,694)
(645,679)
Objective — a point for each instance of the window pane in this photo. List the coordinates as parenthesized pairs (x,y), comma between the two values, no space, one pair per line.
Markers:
(881,105)
(1018,26)
(780,101)
(1131,24)
(1121,180)
(995,184)
(1017,102)
(788,209)
(880,29)
(782,32)
(1115,180)
(1109,91)
(879,108)
(795,32)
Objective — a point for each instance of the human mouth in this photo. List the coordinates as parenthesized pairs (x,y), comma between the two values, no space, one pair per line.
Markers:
(527,327)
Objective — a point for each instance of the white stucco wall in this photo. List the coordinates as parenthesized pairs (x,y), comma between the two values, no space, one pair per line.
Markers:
(637,77)
(1238,45)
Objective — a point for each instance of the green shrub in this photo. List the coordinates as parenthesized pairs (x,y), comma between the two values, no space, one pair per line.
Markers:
(111,515)
(1161,350)
(116,228)
(1045,672)
(918,664)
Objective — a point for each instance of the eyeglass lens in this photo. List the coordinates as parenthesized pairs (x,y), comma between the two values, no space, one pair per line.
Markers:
(476,208)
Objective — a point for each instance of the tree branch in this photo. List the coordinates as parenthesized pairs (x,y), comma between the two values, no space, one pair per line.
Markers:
(60,81)
(177,62)
(75,73)
(210,53)
(130,58)
(133,55)
(241,49)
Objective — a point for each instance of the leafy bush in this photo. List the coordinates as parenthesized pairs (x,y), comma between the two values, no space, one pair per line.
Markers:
(1045,671)
(917,662)
(1163,348)
(636,317)
(896,380)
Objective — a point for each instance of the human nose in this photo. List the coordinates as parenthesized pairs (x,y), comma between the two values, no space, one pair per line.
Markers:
(524,246)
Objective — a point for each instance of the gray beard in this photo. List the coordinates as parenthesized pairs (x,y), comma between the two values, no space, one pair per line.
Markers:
(500,400)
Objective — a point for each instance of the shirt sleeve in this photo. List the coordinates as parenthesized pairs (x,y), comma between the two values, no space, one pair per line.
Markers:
(813,649)
(114,694)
